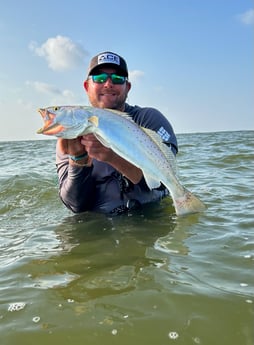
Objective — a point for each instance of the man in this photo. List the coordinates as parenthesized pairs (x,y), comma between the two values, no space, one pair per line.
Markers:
(91,176)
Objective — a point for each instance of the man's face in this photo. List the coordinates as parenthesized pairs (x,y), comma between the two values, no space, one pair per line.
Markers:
(107,95)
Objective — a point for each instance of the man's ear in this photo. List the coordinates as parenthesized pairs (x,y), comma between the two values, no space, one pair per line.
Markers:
(86,85)
(128,85)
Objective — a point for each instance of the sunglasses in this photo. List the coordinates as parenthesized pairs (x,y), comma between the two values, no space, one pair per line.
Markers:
(103,77)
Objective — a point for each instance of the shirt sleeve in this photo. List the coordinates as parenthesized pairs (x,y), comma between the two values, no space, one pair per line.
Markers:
(153,119)
(75,184)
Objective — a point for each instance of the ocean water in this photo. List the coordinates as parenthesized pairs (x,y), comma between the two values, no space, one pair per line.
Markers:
(144,278)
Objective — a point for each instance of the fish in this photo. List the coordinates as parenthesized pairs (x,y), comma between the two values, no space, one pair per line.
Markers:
(140,146)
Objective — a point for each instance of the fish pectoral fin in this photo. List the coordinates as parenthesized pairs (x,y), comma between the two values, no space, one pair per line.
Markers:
(94,120)
(151,181)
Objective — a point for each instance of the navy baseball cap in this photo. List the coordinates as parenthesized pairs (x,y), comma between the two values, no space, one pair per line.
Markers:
(108,59)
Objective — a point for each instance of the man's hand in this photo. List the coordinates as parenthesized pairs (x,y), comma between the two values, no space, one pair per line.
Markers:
(87,143)
(71,146)
(96,150)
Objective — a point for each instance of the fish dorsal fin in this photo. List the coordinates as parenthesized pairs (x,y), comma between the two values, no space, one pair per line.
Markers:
(165,149)
(121,113)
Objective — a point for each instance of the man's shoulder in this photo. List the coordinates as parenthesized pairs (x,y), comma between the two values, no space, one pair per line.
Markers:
(152,118)
(144,115)
(136,109)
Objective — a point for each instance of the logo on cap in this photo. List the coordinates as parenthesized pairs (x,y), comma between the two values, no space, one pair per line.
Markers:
(108,58)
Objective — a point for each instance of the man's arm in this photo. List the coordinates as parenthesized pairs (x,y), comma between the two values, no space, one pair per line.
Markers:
(76,188)
(96,150)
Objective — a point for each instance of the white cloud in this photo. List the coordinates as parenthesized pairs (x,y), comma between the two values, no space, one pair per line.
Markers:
(43,87)
(58,96)
(247,17)
(60,52)
(136,75)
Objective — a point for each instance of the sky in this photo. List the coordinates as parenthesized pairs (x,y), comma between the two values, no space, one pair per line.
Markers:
(190,59)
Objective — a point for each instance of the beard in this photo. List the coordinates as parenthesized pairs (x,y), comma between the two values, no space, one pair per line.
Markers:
(109,99)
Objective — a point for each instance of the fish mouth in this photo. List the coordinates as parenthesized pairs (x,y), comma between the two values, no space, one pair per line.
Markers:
(50,127)
(50,130)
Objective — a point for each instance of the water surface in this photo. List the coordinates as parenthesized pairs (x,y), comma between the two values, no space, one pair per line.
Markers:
(148,277)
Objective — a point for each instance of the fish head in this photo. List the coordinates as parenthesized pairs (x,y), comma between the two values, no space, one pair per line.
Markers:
(64,121)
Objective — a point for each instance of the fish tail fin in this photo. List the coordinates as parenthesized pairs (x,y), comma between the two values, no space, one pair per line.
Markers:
(188,203)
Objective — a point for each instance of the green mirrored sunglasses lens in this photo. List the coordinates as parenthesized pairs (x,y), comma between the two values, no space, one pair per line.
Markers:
(117,79)
(102,78)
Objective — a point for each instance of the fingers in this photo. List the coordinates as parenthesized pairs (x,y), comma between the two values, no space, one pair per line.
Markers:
(71,146)
(87,143)
(63,145)
(90,140)
(95,148)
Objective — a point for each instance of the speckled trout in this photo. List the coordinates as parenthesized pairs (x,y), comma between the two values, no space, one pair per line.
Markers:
(140,146)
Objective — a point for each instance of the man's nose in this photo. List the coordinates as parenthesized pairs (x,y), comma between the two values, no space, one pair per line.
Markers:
(108,82)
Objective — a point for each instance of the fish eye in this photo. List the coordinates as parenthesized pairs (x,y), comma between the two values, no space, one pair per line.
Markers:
(56,108)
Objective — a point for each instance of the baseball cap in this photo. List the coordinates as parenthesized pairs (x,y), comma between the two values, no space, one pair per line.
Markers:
(108,59)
